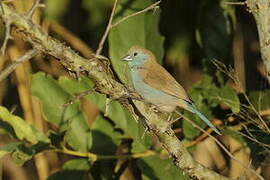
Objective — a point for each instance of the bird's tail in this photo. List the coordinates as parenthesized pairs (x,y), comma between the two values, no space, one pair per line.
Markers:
(191,107)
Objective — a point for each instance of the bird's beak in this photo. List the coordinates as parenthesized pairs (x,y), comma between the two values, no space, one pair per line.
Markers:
(127,58)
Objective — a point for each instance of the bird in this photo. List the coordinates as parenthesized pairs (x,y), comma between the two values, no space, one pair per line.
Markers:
(157,86)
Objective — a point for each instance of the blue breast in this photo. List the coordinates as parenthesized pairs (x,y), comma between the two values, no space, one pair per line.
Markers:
(150,94)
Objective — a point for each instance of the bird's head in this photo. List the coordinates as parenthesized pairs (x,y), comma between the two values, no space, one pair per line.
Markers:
(138,56)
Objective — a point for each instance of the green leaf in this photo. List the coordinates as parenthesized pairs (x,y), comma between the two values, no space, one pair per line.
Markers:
(216,38)
(124,120)
(73,86)
(207,96)
(116,112)
(21,129)
(46,88)
(104,136)
(77,165)
(20,152)
(260,99)
(154,168)
(53,95)
(9,148)
(74,169)
(139,30)
(200,91)
(228,96)
(78,134)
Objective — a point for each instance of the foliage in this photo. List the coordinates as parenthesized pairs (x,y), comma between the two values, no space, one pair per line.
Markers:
(70,128)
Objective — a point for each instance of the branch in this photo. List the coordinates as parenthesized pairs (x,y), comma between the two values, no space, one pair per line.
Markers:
(27,56)
(36,5)
(225,149)
(152,6)
(110,25)
(94,67)
(184,160)
(71,38)
(108,28)
(105,83)
(8,22)
(261,12)
(95,157)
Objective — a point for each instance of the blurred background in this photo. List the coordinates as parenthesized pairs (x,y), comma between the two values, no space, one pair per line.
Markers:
(196,32)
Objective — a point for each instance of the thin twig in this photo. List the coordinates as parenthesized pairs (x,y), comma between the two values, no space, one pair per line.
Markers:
(254,139)
(8,22)
(204,135)
(102,41)
(95,157)
(223,147)
(235,3)
(30,13)
(28,55)
(152,6)
(79,96)
(4,1)
(110,25)
(257,113)
(229,72)
(2,9)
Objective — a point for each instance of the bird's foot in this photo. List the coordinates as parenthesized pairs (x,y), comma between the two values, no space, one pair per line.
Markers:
(170,121)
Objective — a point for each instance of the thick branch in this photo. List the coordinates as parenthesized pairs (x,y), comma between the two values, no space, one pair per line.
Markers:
(94,67)
(106,83)
(261,12)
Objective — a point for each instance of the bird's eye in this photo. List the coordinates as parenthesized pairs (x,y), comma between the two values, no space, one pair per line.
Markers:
(135,54)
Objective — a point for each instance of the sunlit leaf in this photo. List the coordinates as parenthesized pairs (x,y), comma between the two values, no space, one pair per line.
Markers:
(21,128)
(70,119)
(11,147)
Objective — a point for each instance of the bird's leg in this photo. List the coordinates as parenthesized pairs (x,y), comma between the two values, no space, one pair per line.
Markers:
(146,129)
(169,117)
(171,120)
(174,120)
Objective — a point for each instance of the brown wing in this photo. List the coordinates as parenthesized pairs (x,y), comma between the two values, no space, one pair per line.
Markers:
(158,77)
